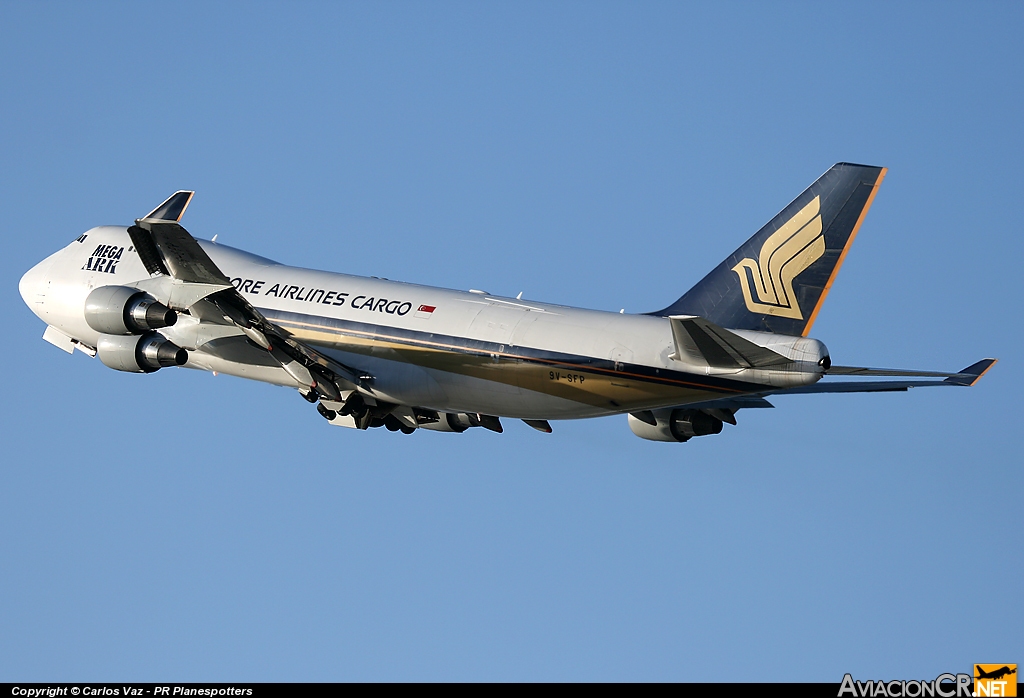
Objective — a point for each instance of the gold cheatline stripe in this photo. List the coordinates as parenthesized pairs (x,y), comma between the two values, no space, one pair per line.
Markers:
(842,256)
(551,362)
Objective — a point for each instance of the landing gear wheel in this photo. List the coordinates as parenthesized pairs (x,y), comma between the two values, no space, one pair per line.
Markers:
(326,413)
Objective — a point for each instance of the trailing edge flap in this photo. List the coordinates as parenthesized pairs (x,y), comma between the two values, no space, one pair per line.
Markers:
(169,249)
(698,341)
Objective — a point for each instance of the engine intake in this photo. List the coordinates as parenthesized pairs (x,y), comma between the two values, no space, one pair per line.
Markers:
(676,425)
(124,310)
(139,353)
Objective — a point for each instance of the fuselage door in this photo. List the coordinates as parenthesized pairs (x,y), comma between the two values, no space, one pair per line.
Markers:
(496,323)
(621,357)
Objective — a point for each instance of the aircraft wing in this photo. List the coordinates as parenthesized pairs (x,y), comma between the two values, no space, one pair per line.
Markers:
(167,249)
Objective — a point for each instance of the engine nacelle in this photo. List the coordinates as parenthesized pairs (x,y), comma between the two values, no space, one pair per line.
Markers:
(448,421)
(124,310)
(675,425)
(139,353)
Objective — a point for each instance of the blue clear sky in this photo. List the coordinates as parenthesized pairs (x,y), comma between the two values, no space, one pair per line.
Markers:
(181,526)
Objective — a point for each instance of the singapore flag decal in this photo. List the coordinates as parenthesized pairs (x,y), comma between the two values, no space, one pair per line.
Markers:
(424,311)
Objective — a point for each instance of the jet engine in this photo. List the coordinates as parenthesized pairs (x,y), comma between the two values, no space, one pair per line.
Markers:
(674,424)
(124,310)
(139,353)
(448,421)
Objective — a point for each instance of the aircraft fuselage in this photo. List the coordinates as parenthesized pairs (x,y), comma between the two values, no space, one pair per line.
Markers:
(441,349)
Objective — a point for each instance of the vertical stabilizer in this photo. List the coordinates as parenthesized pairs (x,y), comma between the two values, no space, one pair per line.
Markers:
(778,279)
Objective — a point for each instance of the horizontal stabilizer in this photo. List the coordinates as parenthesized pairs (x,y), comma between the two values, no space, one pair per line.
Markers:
(698,341)
(968,376)
(856,387)
(171,210)
(890,372)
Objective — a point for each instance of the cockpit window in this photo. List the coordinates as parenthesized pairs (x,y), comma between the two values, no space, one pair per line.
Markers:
(81,238)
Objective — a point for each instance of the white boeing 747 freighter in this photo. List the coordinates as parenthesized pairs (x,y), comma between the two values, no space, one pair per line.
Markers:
(372,352)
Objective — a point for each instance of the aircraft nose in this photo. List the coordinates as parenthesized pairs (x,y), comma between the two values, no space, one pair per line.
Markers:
(33,285)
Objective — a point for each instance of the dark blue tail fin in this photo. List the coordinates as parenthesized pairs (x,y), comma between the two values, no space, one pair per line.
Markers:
(778,279)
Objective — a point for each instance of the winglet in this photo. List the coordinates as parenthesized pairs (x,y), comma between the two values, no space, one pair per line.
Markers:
(173,209)
(972,374)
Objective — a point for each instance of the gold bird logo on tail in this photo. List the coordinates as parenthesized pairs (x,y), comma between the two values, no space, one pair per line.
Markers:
(768,282)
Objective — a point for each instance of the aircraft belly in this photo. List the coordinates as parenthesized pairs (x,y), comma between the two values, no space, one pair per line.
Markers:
(455,382)
(467,388)
(274,375)
(395,380)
